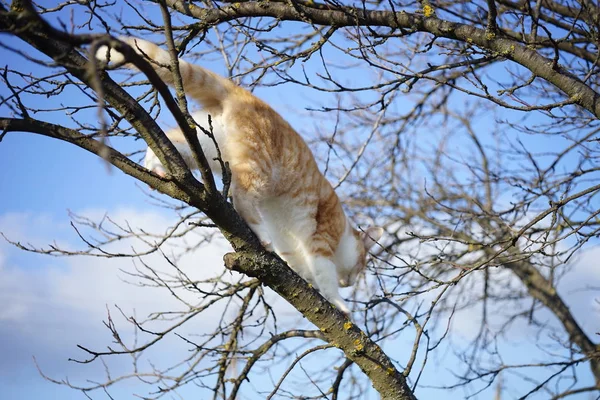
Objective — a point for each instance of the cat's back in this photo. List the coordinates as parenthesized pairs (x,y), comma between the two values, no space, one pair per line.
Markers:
(260,135)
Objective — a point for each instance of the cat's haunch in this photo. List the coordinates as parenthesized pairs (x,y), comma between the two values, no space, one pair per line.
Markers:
(276,185)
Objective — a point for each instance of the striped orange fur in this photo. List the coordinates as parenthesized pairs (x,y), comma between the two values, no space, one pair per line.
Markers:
(276,184)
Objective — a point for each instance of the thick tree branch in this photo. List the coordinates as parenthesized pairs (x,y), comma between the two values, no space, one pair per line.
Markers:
(336,328)
(513,50)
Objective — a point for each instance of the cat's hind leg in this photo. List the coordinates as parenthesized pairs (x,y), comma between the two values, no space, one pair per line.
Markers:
(246,206)
(250,182)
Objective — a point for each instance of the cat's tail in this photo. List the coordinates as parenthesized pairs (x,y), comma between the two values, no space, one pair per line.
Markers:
(208,88)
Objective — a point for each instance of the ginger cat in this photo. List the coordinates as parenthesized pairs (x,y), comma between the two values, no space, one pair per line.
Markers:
(276,185)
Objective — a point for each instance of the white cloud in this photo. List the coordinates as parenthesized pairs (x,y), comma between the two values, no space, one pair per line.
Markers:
(51,304)
(580,287)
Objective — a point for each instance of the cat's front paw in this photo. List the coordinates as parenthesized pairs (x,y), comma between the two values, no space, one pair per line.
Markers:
(341,305)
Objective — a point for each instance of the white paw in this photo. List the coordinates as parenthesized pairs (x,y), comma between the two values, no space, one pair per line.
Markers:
(341,305)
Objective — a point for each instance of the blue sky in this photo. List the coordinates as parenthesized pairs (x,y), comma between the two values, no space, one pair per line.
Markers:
(52,304)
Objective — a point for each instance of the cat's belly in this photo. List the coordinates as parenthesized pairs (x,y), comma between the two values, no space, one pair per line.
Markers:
(287,222)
